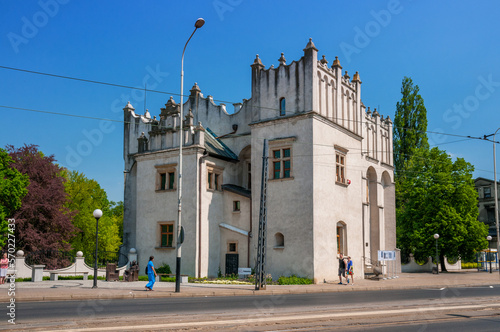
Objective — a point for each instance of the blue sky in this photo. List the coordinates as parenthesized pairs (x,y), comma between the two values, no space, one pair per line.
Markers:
(449,48)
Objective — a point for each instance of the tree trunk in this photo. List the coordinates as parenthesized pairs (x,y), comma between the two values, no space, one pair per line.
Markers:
(443,265)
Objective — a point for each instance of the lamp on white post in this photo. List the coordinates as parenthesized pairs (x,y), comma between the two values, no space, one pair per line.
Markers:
(489,247)
(436,236)
(198,24)
(97,214)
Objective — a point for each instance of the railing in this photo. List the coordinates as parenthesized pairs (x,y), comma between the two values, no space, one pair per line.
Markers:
(370,261)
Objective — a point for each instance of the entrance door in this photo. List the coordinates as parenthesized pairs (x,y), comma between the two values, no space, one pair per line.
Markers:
(232,264)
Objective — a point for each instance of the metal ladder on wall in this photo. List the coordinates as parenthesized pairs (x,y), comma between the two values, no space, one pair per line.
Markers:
(260,270)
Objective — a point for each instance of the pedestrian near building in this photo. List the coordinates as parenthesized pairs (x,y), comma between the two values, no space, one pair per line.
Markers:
(4,265)
(151,274)
(342,265)
(349,270)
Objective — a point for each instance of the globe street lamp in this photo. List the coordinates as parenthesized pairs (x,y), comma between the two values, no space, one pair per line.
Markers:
(489,247)
(97,214)
(199,23)
(436,236)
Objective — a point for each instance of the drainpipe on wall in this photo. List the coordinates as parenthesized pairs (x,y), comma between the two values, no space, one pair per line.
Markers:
(249,234)
(205,154)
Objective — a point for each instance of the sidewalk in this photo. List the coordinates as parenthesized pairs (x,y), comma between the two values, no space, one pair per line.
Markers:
(62,290)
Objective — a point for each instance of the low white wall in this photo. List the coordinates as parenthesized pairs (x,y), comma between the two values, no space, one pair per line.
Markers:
(22,270)
(413,267)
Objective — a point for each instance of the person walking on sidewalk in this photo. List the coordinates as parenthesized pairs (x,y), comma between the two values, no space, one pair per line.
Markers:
(349,270)
(341,268)
(151,274)
(4,265)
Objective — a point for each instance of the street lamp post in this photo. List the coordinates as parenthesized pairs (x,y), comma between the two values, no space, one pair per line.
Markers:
(97,214)
(199,23)
(489,247)
(436,236)
(496,191)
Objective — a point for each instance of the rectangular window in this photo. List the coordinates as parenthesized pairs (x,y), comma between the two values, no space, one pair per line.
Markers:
(171,180)
(236,206)
(286,168)
(167,235)
(487,192)
(232,247)
(210,182)
(165,177)
(282,164)
(277,169)
(216,181)
(340,167)
(214,178)
(280,151)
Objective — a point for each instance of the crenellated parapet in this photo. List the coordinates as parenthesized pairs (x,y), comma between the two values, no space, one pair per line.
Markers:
(378,133)
(145,134)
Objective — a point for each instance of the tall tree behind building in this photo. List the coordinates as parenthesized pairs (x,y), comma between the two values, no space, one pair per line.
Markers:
(438,196)
(410,125)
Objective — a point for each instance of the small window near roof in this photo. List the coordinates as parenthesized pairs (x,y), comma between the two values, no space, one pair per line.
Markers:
(282,107)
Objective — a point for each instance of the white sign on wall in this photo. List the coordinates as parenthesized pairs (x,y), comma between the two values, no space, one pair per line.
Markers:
(386,255)
(244,270)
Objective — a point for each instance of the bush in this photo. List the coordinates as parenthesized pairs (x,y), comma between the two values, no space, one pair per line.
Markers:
(469,265)
(294,280)
(165,268)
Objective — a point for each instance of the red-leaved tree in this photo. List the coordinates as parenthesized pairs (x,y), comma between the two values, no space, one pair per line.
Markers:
(43,224)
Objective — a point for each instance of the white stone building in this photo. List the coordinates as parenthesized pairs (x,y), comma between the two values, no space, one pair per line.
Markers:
(330,185)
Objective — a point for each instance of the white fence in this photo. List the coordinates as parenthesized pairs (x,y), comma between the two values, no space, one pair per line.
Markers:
(413,266)
(23,270)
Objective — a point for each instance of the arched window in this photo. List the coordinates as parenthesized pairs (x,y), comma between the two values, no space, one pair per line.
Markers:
(282,107)
(279,240)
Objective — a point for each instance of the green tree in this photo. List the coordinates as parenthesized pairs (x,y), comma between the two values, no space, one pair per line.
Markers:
(116,210)
(410,125)
(85,195)
(13,188)
(437,195)
(43,223)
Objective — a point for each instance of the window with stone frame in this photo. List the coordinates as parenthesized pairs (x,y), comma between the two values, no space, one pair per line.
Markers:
(281,163)
(166,177)
(166,234)
(214,178)
(232,247)
(340,165)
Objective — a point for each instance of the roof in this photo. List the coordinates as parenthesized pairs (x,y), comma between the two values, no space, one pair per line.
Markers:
(237,190)
(215,147)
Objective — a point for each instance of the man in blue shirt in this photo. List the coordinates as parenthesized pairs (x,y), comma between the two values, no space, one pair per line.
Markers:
(151,274)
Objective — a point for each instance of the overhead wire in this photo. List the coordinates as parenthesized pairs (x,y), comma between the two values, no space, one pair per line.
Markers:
(218,100)
(468,137)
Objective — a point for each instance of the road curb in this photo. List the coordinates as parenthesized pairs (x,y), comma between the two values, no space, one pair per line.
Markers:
(113,294)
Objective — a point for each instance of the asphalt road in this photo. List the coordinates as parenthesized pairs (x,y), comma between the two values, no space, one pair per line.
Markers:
(439,309)
(37,311)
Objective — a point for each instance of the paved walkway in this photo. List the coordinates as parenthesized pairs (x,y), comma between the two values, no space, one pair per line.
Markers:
(82,290)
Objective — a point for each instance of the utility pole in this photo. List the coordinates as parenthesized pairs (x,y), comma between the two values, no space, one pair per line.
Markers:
(260,270)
